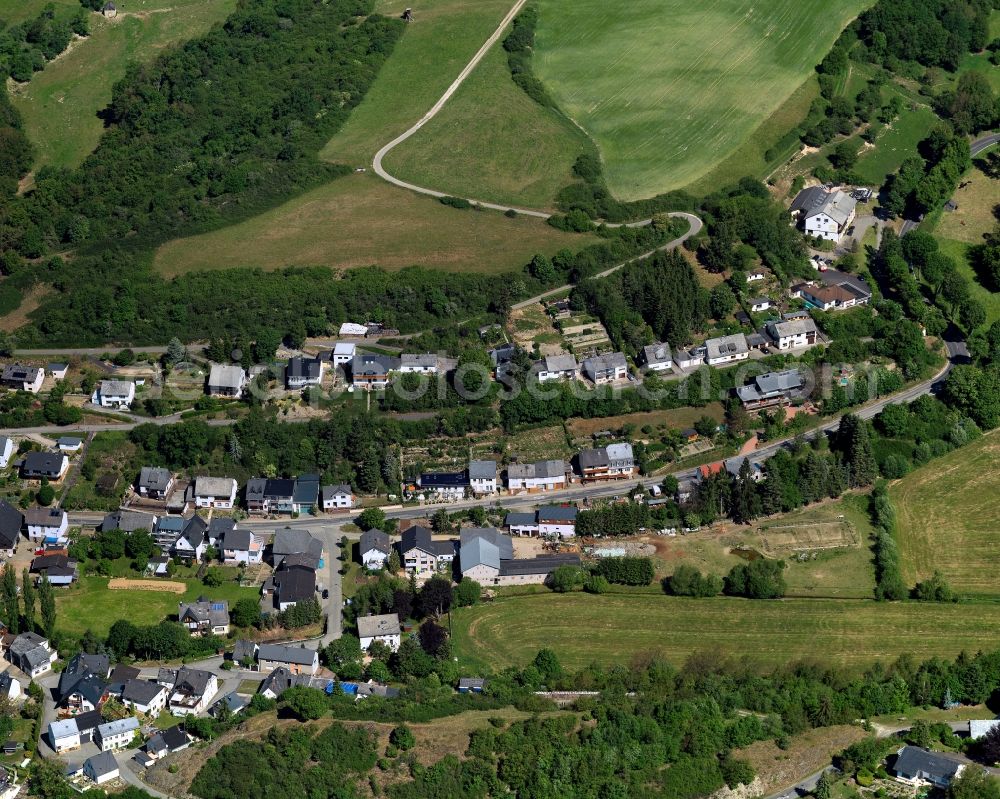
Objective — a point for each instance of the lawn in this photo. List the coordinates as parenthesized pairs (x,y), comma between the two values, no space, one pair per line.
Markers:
(959,251)
(13,12)
(90,605)
(60,104)
(678,419)
(493,142)
(977,196)
(442,38)
(611,628)
(949,517)
(360,220)
(896,143)
(669,89)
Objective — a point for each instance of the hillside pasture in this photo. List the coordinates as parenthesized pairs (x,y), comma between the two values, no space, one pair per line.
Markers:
(669,89)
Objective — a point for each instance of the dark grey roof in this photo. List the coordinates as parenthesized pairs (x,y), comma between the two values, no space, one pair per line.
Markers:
(299,367)
(102,764)
(557,513)
(122,673)
(916,762)
(11,520)
(294,584)
(592,458)
(372,364)
(92,688)
(220,527)
(543,564)
(329,492)
(444,479)
(141,691)
(154,477)
(483,470)
(519,519)
(295,541)
(129,521)
(416,537)
(280,653)
(193,681)
(243,650)
(78,667)
(213,611)
(375,539)
(43,462)
(807,199)
(90,720)
(306,489)
(238,540)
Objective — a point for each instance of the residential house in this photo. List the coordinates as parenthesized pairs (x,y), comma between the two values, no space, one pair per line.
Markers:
(167,530)
(685,359)
(557,520)
(556,367)
(205,617)
(47,525)
(759,304)
(726,349)
(117,734)
(114,394)
(426,363)
(129,521)
(10,687)
(167,742)
(6,451)
(11,521)
(771,389)
(447,485)
(756,273)
(22,378)
(280,679)
(305,497)
(343,353)
(829,215)
(82,684)
(384,628)
(593,464)
(657,358)
(50,465)
(32,654)
(242,546)
(58,370)
(158,566)
(521,524)
(613,462)
(302,372)
(374,549)
(57,568)
(790,335)
(291,584)
(370,371)
(218,529)
(483,477)
(192,543)
(823,297)
(192,691)
(296,541)
(338,497)
(420,554)
(502,353)
(296,659)
(69,444)
(606,368)
(145,696)
(232,701)
(155,482)
(215,492)
(120,675)
(101,768)
(734,465)
(487,556)
(74,732)
(918,767)
(852,284)
(269,495)
(539,476)
(226,380)
(471,685)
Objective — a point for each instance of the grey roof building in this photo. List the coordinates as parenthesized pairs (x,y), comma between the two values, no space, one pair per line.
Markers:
(807,200)
(918,765)
(657,356)
(296,541)
(374,626)
(101,766)
(11,520)
(141,692)
(375,540)
(482,470)
(281,653)
(129,521)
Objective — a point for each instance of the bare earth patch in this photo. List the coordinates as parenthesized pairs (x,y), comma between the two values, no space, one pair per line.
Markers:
(125,584)
(19,317)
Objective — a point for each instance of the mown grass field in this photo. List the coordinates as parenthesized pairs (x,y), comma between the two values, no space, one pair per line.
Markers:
(612,628)
(670,89)
(974,215)
(493,142)
(360,220)
(949,517)
(14,11)
(959,250)
(442,38)
(60,104)
(895,145)
(90,605)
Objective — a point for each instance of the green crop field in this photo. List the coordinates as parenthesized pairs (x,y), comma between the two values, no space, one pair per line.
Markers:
(949,516)
(669,89)
(493,142)
(91,605)
(60,104)
(611,628)
(360,220)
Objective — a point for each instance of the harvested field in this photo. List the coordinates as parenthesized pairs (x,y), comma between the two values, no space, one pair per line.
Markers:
(126,584)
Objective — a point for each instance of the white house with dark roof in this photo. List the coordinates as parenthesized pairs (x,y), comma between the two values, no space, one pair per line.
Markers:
(557,520)
(759,304)
(215,492)
(193,690)
(338,497)
(32,654)
(11,521)
(420,553)
(117,734)
(726,349)
(50,465)
(918,767)
(226,380)
(384,628)
(540,476)
(793,334)
(830,217)
(101,768)
(374,549)
(556,367)
(606,368)
(302,372)
(297,659)
(145,696)
(447,485)
(47,525)
(114,394)
(22,378)
(772,388)
(58,370)
(242,546)
(483,477)
(155,482)
(205,616)
(657,357)
(291,541)
(423,363)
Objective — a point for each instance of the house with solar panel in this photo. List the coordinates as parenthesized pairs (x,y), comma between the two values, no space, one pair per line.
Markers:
(205,617)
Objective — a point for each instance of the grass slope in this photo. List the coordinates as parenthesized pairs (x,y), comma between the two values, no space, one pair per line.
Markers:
(60,104)
(493,142)
(948,518)
(612,628)
(360,220)
(13,12)
(668,89)
(442,38)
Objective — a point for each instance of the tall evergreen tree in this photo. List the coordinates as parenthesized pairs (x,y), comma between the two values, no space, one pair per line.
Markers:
(47,603)
(28,597)
(744,504)
(855,442)
(8,587)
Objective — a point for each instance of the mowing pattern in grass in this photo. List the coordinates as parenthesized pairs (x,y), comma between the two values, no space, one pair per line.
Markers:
(949,516)
(60,103)
(493,142)
(669,88)
(360,220)
(895,145)
(442,38)
(610,629)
